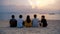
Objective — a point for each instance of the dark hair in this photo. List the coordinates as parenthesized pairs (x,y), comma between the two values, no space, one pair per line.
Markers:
(20,16)
(43,16)
(28,19)
(35,16)
(13,16)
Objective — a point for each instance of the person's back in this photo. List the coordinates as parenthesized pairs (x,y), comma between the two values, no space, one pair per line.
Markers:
(35,21)
(28,22)
(13,22)
(20,22)
(43,20)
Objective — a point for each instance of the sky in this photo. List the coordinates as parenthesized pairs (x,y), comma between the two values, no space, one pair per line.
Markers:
(28,6)
(45,4)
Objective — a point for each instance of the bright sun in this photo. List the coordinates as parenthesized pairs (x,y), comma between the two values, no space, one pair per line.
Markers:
(40,3)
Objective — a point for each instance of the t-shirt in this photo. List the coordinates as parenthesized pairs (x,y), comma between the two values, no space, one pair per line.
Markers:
(13,22)
(44,22)
(20,22)
(35,22)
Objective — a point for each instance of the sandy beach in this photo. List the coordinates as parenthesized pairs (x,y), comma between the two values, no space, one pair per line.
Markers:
(52,28)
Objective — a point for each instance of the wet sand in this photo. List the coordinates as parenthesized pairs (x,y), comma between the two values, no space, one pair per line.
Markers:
(52,28)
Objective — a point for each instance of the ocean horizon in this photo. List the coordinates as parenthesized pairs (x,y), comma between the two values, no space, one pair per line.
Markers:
(49,16)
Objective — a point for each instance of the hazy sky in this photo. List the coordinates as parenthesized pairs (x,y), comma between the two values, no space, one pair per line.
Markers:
(54,5)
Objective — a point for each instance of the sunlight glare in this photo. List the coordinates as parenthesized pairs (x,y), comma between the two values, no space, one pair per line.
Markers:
(40,3)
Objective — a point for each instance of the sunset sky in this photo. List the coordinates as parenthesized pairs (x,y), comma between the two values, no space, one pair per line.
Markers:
(50,4)
(15,7)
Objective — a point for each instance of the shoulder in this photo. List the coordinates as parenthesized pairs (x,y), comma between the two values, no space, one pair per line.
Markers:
(15,19)
(25,21)
(35,19)
(45,19)
(11,19)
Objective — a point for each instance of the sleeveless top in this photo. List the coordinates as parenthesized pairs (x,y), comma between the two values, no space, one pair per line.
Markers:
(26,24)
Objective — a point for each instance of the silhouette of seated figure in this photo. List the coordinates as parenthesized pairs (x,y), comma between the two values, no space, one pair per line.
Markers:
(13,21)
(35,21)
(43,21)
(28,22)
(20,22)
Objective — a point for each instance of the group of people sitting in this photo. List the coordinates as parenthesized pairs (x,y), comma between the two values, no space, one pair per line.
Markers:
(28,22)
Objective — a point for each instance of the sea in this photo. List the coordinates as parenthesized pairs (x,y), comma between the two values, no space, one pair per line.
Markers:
(7,16)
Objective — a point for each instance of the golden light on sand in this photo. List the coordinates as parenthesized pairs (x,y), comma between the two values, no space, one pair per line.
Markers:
(40,3)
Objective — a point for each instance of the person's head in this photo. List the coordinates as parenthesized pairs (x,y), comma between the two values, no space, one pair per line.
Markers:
(20,16)
(35,16)
(28,19)
(43,17)
(13,16)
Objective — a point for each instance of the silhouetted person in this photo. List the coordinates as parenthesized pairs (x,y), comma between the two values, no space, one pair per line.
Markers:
(43,21)
(28,22)
(35,21)
(13,21)
(20,22)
